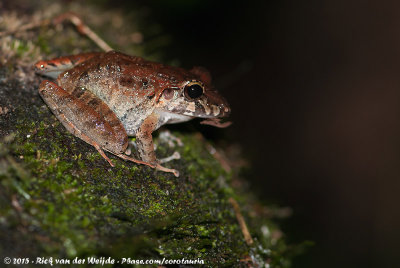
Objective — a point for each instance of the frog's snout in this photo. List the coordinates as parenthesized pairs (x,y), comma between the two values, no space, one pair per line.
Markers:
(225,110)
(216,105)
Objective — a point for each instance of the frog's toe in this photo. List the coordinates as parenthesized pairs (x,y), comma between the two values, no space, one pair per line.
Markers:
(175,155)
(174,171)
(128,151)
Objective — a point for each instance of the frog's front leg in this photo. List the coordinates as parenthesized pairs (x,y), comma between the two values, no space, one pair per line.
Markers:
(145,145)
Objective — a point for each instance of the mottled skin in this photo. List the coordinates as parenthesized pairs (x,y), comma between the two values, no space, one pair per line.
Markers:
(103,98)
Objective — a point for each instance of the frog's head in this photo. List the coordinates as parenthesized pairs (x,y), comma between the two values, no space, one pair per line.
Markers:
(195,97)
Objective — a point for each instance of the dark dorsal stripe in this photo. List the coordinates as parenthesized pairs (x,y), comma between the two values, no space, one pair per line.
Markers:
(78,92)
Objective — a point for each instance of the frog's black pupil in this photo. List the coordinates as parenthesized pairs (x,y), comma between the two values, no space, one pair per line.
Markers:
(194,91)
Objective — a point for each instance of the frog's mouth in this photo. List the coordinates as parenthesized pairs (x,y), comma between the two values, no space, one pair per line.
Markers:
(212,105)
(172,118)
(207,110)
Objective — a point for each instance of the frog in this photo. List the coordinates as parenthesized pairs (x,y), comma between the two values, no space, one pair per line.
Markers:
(105,97)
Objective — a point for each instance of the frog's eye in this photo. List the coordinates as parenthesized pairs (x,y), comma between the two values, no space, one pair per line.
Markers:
(193,90)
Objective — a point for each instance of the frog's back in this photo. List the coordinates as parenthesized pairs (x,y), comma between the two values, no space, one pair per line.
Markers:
(127,84)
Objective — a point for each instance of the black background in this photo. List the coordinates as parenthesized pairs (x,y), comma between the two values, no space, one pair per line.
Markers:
(315,91)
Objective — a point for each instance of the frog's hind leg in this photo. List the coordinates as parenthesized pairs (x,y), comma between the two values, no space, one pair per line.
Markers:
(54,67)
(72,128)
(57,99)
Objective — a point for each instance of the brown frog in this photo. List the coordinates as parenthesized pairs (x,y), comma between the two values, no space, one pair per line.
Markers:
(105,97)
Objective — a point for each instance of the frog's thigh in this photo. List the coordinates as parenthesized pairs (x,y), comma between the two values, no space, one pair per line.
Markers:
(80,119)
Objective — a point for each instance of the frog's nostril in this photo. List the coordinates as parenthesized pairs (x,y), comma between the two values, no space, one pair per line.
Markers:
(226,110)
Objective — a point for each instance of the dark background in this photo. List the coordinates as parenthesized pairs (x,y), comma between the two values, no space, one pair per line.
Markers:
(315,91)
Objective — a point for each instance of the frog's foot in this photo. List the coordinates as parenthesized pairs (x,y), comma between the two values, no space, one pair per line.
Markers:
(174,156)
(170,170)
(166,136)
(156,166)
